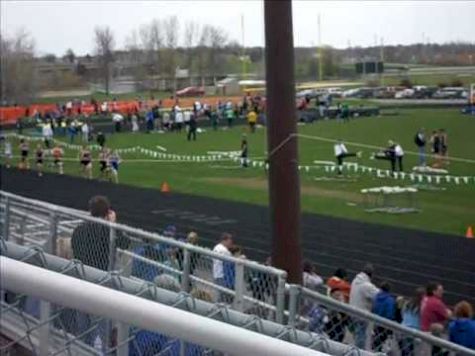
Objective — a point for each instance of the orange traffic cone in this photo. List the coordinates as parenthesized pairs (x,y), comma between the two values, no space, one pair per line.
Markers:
(165,188)
(469,233)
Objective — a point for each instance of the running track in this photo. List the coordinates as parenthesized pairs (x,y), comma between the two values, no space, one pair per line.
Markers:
(406,258)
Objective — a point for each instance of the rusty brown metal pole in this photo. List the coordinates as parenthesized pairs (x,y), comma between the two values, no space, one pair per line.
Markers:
(284,184)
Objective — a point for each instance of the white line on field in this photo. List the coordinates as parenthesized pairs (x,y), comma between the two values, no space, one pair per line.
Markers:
(161,148)
(358,144)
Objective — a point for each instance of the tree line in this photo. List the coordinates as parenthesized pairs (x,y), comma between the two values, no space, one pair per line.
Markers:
(157,48)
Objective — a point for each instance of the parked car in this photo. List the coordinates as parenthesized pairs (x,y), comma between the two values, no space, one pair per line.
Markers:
(383,93)
(335,92)
(450,93)
(307,93)
(404,94)
(424,92)
(190,91)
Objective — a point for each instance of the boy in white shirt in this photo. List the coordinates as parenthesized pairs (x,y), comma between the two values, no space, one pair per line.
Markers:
(222,248)
(341,153)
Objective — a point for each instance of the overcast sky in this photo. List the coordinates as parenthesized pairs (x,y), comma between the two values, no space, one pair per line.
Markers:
(59,25)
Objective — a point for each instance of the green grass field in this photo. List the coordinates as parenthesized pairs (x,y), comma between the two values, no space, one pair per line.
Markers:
(449,211)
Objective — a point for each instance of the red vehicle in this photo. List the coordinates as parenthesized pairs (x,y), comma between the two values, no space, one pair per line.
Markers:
(190,91)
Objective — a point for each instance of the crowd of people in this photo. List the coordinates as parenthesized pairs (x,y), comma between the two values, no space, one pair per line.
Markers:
(394,152)
(424,311)
(69,119)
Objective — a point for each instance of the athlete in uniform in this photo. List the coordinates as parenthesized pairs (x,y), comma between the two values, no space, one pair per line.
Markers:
(341,153)
(8,153)
(244,151)
(24,151)
(114,161)
(103,162)
(85,158)
(58,158)
(39,159)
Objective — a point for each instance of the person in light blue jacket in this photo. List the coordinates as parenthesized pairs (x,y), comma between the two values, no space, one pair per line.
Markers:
(411,318)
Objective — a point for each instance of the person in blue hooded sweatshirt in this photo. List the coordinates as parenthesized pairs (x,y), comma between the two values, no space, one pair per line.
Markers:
(384,305)
(462,329)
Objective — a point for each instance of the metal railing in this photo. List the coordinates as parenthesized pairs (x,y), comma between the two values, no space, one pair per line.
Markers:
(316,312)
(139,306)
(256,289)
(249,286)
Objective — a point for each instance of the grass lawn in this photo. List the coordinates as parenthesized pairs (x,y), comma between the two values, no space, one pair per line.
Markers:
(449,210)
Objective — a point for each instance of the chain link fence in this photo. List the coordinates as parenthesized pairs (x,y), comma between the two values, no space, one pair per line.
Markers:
(68,233)
(49,329)
(331,316)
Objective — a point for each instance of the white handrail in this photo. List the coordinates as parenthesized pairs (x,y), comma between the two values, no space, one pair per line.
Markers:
(94,299)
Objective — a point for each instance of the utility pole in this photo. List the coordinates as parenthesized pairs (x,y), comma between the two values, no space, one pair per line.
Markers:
(381,59)
(320,53)
(284,184)
(243,53)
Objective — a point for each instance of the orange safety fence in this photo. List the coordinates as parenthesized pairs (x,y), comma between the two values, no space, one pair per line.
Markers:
(10,115)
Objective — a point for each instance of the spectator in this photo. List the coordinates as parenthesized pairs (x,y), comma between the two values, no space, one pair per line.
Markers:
(117,120)
(143,269)
(262,285)
(337,322)
(47,132)
(151,343)
(85,132)
(311,279)
(72,131)
(229,114)
(434,313)
(101,139)
(251,120)
(339,281)
(179,119)
(384,305)
(192,239)
(222,248)
(192,127)
(433,309)
(420,141)
(214,118)
(90,241)
(19,126)
(362,295)
(149,120)
(135,123)
(462,329)
(411,318)
(229,268)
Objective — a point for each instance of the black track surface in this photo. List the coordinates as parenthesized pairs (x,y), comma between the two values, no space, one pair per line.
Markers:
(406,258)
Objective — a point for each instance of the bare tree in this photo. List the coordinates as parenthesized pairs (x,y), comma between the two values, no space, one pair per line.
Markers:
(190,38)
(70,56)
(203,50)
(104,40)
(151,43)
(217,41)
(171,27)
(136,55)
(17,73)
